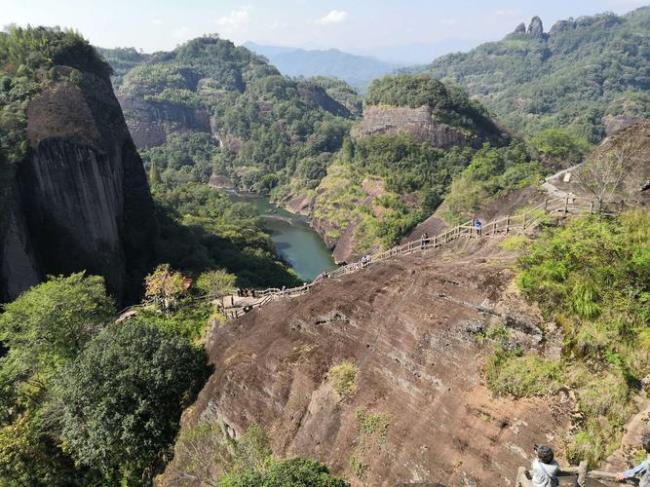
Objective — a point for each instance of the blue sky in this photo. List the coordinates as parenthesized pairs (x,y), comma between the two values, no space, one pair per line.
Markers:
(348,25)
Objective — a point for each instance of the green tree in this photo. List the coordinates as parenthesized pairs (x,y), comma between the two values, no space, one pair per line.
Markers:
(48,325)
(165,287)
(44,329)
(559,147)
(218,283)
(297,472)
(122,398)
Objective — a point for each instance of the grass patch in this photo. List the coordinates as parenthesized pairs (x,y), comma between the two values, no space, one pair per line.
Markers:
(522,376)
(373,425)
(343,378)
(591,277)
(515,243)
(496,333)
(358,468)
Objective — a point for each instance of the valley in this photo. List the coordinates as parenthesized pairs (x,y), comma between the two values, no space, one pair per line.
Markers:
(215,272)
(295,241)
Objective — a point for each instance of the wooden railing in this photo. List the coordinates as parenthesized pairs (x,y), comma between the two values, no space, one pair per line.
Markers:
(581,474)
(527,219)
(521,222)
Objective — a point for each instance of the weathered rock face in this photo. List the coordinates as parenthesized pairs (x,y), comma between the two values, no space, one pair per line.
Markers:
(520,29)
(80,201)
(536,28)
(562,26)
(419,122)
(628,150)
(409,326)
(151,121)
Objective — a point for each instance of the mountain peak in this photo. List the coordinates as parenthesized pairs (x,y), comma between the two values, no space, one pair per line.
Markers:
(536,27)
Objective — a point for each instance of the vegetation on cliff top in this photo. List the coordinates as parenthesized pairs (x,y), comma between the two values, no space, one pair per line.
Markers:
(27,58)
(578,76)
(449,103)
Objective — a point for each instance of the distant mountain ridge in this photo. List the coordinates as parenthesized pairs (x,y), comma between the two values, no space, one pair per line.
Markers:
(356,70)
(590,75)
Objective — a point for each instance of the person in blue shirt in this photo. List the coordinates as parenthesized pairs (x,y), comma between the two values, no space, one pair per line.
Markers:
(642,469)
(477,226)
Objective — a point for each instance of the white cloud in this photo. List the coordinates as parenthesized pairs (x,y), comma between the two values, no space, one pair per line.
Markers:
(181,33)
(627,3)
(235,20)
(156,21)
(333,17)
(449,21)
(513,12)
(276,25)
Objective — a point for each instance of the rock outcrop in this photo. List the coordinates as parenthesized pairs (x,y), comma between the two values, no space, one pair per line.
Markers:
(520,29)
(420,412)
(151,121)
(80,200)
(536,28)
(419,122)
(562,26)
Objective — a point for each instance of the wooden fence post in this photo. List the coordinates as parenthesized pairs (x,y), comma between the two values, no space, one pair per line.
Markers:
(582,474)
(566,205)
(546,204)
(507,225)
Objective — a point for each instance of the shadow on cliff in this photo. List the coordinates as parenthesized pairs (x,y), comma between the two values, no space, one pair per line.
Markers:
(195,249)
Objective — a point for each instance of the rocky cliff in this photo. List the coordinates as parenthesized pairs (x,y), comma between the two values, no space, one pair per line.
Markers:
(79,199)
(419,122)
(151,121)
(419,411)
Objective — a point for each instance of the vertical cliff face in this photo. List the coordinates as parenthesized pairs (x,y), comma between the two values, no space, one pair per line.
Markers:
(80,200)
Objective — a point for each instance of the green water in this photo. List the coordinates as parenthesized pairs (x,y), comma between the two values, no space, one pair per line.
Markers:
(296,242)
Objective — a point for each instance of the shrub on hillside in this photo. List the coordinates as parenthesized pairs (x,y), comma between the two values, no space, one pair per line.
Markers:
(121,399)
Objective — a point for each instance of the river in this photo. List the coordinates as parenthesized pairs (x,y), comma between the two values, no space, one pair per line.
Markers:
(296,242)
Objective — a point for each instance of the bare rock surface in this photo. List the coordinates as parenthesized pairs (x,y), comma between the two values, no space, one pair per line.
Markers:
(409,326)
(418,122)
(80,201)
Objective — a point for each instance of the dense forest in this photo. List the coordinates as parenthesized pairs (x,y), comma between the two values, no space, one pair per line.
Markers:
(272,131)
(585,74)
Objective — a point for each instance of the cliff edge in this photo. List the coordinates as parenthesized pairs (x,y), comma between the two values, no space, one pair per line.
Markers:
(76,198)
(418,411)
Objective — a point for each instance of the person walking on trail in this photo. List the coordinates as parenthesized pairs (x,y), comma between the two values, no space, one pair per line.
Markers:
(424,240)
(544,468)
(642,469)
(477,226)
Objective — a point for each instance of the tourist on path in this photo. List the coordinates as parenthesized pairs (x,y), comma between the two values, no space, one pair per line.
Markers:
(642,469)
(544,468)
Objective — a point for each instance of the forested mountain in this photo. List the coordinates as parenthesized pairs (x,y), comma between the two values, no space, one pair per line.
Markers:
(590,74)
(122,60)
(416,136)
(272,131)
(356,70)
